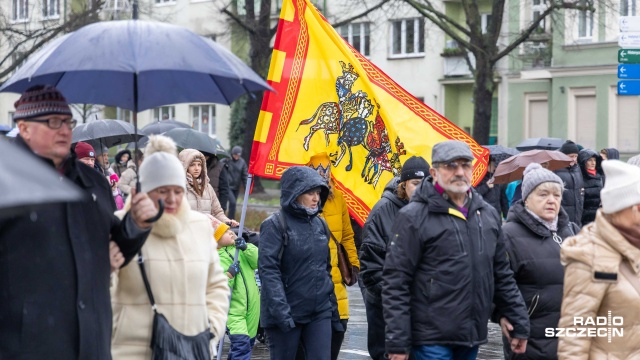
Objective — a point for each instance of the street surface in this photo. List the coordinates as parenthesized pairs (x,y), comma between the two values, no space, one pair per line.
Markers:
(355,341)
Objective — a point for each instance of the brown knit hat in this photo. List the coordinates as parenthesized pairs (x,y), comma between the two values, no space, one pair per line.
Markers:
(40,100)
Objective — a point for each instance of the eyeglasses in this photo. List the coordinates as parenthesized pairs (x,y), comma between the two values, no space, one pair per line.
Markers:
(56,123)
(453,165)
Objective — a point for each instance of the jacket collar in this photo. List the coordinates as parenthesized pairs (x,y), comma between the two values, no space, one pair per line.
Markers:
(519,214)
(608,239)
(427,193)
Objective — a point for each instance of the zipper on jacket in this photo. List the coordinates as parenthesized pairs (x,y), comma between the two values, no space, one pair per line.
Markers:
(533,305)
(480,232)
(458,236)
(556,238)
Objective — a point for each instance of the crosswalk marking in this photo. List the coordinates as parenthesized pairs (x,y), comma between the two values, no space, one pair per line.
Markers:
(357,352)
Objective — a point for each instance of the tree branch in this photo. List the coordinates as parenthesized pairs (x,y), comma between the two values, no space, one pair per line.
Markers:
(238,21)
(361,15)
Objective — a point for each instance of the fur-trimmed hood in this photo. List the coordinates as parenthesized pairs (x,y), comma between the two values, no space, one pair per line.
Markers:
(188,156)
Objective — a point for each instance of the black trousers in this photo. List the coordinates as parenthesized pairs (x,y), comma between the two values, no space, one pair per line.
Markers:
(316,337)
(375,325)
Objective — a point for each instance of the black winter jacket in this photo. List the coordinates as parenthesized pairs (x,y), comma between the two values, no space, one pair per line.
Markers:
(534,257)
(442,273)
(376,235)
(54,272)
(495,195)
(296,288)
(218,172)
(592,185)
(237,173)
(573,194)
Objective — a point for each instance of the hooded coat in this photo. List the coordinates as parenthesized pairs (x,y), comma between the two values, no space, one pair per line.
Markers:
(244,311)
(296,287)
(128,178)
(376,235)
(117,166)
(54,272)
(573,194)
(442,273)
(534,257)
(206,203)
(593,184)
(595,286)
(336,214)
(237,173)
(188,284)
(612,153)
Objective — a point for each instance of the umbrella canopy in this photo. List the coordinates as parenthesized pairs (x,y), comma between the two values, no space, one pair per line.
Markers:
(161,127)
(513,168)
(106,132)
(27,182)
(132,64)
(540,144)
(193,139)
(5,128)
(495,150)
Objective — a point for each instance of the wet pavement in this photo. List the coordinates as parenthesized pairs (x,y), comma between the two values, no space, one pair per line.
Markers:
(355,341)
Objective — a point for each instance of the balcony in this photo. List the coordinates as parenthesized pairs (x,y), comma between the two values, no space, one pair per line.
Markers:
(455,64)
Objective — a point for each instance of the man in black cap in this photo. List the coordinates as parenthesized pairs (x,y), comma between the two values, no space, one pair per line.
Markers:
(54,260)
(573,194)
(237,177)
(446,267)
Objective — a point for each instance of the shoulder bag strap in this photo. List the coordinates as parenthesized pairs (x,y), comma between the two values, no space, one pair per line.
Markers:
(283,227)
(146,281)
(627,272)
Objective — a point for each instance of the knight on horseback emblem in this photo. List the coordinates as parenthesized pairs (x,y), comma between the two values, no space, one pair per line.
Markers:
(348,118)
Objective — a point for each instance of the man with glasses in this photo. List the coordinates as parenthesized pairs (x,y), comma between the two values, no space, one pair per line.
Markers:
(54,259)
(446,265)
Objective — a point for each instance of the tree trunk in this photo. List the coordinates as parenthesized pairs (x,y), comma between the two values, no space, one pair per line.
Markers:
(483,89)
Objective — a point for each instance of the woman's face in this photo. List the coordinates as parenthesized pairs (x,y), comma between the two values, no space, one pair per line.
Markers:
(310,199)
(603,154)
(410,186)
(590,164)
(171,195)
(195,169)
(124,158)
(628,219)
(544,201)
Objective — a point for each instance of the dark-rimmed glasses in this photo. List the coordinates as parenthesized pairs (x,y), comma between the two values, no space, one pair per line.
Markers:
(453,165)
(56,123)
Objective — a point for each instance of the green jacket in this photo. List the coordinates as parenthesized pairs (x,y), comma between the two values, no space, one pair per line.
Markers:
(244,311)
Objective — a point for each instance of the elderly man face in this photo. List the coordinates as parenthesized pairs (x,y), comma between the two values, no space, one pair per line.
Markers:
(453,176)
(48,136)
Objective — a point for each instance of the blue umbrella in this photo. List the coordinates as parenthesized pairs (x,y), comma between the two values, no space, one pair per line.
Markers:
(137,65)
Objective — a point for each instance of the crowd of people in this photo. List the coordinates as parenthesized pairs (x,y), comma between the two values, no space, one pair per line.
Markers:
(437,259)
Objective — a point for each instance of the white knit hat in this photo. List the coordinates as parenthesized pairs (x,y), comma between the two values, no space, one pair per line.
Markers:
(622,186)
(161,166)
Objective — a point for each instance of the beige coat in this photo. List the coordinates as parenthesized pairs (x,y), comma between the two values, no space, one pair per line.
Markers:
(128,178)
(594,254)
(208,203)
(188,284)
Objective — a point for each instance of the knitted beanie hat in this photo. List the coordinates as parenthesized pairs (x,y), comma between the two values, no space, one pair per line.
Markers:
(535,175)
(236,150)
(84,150)
(415,167)
(569,147)
(622,188)
(161,166)
(220,230)
(40,100)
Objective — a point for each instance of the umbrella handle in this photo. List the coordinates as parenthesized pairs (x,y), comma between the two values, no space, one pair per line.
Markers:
(159,214)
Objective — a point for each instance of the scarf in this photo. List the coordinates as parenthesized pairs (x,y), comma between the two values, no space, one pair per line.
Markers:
(591,172)
(309,211)
(551,225)
(632,236)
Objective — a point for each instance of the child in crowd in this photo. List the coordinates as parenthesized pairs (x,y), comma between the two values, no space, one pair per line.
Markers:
(244,311)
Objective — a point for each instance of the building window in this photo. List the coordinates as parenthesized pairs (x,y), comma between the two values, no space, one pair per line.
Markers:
(50,8)
(485,20)
(538,8)
(627,7)
(124,115)
(158,2)
(407,37)
(204,119)
(20,10)
(164,113)
(358,35)
(585,22)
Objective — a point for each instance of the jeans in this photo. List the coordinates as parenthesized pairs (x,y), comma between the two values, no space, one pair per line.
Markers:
(240,347)
(375,325)
(441,352)
(316,337)
(233,197)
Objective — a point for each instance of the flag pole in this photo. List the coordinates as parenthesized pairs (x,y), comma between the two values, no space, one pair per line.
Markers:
(243,215)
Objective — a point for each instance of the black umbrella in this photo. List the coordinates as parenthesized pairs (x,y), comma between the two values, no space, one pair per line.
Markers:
(193,139)
(162,126)
(501,150)
(106,132)
(540,144)
(27,183)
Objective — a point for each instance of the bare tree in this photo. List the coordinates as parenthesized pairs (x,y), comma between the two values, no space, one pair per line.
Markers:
(257,24)
(19,40)
(485,47)
(86,111)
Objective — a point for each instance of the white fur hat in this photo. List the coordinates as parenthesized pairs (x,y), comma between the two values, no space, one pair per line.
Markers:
(161,166)
(622,186)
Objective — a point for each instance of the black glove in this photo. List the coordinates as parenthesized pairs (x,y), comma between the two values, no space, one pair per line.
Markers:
(246,235)
(241,244)
(234,269)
